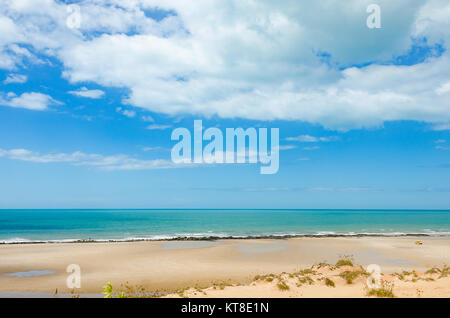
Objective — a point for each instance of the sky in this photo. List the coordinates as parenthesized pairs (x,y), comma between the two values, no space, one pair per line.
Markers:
(90,92)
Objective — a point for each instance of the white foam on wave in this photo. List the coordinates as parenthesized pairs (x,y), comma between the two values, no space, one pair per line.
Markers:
(15,240)
(223,235)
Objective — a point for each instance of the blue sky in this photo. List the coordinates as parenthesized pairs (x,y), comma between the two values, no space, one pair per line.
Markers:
(86,114)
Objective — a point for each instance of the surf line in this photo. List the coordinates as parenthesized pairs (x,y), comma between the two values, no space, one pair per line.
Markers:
(254,151)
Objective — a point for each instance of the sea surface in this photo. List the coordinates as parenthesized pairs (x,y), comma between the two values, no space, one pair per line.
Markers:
(128,225)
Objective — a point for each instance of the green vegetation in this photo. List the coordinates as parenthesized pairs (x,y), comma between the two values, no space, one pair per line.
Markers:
(282,286)
(307,271)
(433,270)
(400,276)
(385,291)
(329,282)
(350,276)
(445,272)
(306,279)
(109,292)
(345,260)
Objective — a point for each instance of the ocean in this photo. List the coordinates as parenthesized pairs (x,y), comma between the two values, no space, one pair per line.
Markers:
(128,225)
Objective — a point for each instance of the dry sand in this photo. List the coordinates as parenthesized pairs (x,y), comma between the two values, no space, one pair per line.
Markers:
(171,266)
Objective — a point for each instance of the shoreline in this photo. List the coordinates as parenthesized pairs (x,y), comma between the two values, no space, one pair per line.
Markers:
(219,238)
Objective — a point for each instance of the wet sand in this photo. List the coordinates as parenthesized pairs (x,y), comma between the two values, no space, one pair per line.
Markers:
(171,266)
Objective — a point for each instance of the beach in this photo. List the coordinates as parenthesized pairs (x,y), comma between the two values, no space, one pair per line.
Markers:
(227,268)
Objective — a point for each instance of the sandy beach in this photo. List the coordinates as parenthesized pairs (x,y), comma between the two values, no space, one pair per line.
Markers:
(231,268)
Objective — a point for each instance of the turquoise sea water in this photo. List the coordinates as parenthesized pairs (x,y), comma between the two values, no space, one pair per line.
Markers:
(71,225)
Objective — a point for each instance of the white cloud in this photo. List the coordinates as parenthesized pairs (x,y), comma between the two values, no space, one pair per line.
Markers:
(440,141)
(115,162)
(256,60)
(308,138)
(439,147)
(88,93)
(148,119)
(158,148)
(443,89)
(158,127)
(126,112)
(287,147)
(32,101)
(311,148)
(15,78)
(439,127)
(129,113)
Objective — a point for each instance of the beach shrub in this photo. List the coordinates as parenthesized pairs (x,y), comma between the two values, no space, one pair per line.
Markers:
(400,276)
(433,270)
(306,271)
(445,272)
(385,291)
(345,260)
(350,276)
(109,292)
(283,286)
(329,282)
(306,279)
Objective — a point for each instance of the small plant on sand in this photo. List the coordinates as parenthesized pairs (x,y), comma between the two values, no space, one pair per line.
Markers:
(419,292)
(282,286)
(350,276)
(329,282)
(268,278)
(306,271)
(445,272)
(433,270)
(406,273)
(321,264)
(181,293)
(385,291)
(400,276)
(305,279)
(109,292)
(345,260)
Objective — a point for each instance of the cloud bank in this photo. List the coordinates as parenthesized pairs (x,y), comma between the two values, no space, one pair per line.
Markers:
(259,60)
(78,158)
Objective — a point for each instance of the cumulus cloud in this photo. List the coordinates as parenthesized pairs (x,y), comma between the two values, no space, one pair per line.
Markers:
(89,93)
(15,78)
(32,101)
(115,162)
(261,60)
